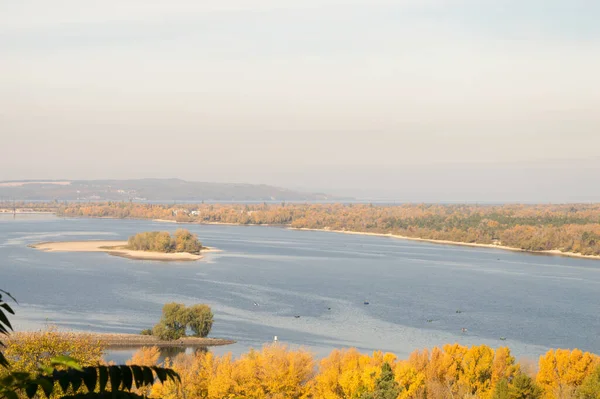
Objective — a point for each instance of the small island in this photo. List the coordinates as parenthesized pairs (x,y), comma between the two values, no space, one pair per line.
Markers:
(151,245)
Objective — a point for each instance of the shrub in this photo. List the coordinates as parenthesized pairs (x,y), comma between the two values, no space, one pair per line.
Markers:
(27,350)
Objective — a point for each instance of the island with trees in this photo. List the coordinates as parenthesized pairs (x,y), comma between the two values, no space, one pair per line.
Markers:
(153,245)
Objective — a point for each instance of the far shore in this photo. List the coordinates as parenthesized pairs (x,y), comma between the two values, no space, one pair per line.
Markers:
(23,212)
(115,341)
(117,248)
(464,244)
(554,252)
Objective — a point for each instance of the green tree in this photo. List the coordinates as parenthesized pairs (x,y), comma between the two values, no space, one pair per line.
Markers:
(176,319)
(501,389)
(523,387)
(173,322)
(386,387)
(590,388)
(200,320)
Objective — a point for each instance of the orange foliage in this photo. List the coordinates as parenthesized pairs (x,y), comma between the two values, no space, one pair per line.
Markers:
(568,228)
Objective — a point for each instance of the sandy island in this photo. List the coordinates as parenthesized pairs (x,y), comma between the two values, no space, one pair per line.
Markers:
(117,248)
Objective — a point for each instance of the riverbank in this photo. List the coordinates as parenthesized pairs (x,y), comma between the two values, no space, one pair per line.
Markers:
(115,341)
(117,248)
(554,252)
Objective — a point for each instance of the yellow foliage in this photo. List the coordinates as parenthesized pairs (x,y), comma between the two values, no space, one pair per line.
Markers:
(146,356)
(453,371)
(27,350)
(504,365)
(411,380)
(348,374)
(274,372)
(562,370)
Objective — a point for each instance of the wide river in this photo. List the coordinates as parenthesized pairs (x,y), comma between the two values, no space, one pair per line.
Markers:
(419,294)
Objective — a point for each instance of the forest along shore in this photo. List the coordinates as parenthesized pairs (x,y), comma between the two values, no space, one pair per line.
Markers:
(552,229)
(114,341)
(117,248)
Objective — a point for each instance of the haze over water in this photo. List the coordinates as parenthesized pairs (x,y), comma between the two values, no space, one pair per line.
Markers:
(265,276)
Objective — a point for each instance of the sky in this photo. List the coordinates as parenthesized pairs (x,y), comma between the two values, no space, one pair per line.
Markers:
(416,100)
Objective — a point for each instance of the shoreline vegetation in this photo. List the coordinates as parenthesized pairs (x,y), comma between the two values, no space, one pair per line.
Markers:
(155,245)
(120,341)
(566,229)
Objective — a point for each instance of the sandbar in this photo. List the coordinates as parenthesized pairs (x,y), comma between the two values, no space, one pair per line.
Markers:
(117,248)
(555,252)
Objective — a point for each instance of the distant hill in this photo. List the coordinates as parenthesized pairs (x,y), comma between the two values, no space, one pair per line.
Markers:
(148,189)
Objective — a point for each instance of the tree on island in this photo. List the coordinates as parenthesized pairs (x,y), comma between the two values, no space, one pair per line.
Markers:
(176,319)
(162,241)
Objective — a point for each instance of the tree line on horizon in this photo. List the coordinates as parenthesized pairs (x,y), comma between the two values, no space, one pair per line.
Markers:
(449,372)
(567,228)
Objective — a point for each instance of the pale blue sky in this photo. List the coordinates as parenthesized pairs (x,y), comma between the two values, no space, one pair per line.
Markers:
(294,93)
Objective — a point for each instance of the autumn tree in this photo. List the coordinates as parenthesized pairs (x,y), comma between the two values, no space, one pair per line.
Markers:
(162,241)
(562,371)
(184,241)
(523,387)
(590,387)
(501,390)
(386,387)
(26,351)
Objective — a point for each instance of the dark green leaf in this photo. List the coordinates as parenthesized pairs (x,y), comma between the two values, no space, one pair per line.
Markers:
(173,375)
(8,294)
(76,379)
(115,377)
(3,330)
(7,307)
(90,376)
(47,385)
(63,381)
(127,377)
(138,375)
(3,361)
(31,389)
(103,372)
(148,376)
(10,395)
(161,373)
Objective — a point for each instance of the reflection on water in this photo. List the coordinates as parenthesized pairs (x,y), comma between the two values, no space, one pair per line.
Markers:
(123,354)
(265,277)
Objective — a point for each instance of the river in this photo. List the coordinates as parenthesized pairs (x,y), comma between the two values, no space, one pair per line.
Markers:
(419,294)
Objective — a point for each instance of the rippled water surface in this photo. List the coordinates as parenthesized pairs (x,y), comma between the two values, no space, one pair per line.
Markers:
(414,289)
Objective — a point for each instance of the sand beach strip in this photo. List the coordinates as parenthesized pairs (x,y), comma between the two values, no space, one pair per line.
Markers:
(117,248)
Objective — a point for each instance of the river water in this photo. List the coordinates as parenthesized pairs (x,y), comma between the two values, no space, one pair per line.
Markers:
(419,294)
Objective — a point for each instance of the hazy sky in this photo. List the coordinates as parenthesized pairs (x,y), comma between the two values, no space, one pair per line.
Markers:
(383,97)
